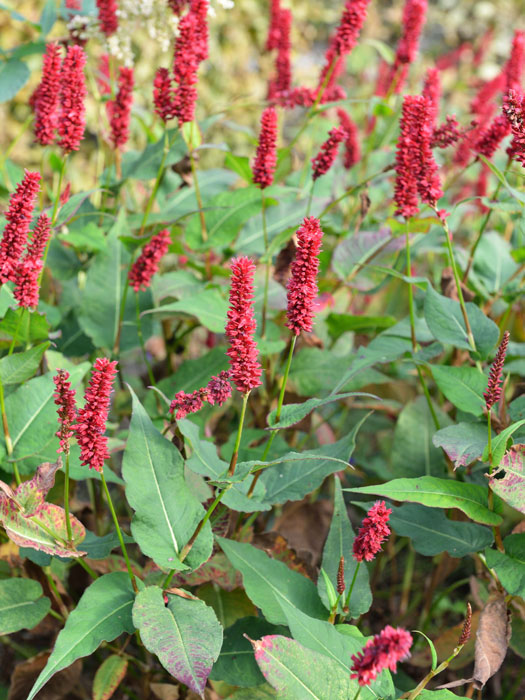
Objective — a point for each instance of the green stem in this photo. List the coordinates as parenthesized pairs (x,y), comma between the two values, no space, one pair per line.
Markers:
(354,188)
(66,501)
(59,190)
(410,291)
(17,329)
(7,436)
(346,607)
(119,533)
(141,340)
(427,396)
(311,196)
(266,269)
(433,673)
(233,461)
(490,496)
(156,186)
(356,696)
(198,197)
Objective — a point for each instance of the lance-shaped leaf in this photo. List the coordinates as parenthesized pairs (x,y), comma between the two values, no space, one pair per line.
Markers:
(297,672)
(512,486)
(185,635)
(339,544)
(166,511)
(108,677)
(510,566)
(21,604)
(102,614)
(295,412)
(15,369)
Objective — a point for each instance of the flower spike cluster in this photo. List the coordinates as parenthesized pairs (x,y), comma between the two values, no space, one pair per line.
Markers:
(374,531)
(119,109)
(217,391)
(302,286)
(323,161)
(107,16)
(28,271)
(46,98)
(352,153)
(266,157)
(90,426)
(383,651)
(147,264)
(64,397)
(493,393)
(246,369)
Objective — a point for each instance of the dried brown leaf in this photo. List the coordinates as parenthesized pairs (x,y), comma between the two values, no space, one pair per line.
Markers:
(60,687)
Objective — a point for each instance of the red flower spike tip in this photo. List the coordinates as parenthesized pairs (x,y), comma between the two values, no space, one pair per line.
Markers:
(274,30)
(374,531)
(324,160)
(163,94)
(383,651)
(107,16)
(302,285)
(147,264)
(414,15)
(428,182)
(199,8)
(28,272)
(217,391)
(65,400)
(91,419)
(516,62)
(46,99)
(352,154)
(266,157)
(119,109)
(18,215)
(178,6)
(243,354)
(432,92)
(185,66)
(514,111)
(493,393)
(279,87)
(489,140)
(72,119)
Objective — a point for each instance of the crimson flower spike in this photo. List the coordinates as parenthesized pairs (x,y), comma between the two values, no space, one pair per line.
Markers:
(147,264)
(385,650)
(18,215)
(46,100)
(405,191)
(163,94)
(414,14)
(514,111)
(516,63)
(432,91)
(64,397)
(217,391)
(341,576)
(490,138)
(323,161)
(28,273)
(91,420)
(72,117)
(107,16)
(266,157)
(274,30)
(352,154)
(493,393)
(119,109)
(279,86)
(428,181)
(374,531)
(302,286)
(246,369)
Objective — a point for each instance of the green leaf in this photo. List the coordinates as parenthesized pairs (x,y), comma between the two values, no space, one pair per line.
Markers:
(297,672)
(102,614)
(331,593)
(240,165)
(101,547)
(499,444)
(287,213)
(166,511)
(145,165)
(108,676)
(338,324)
(339,544)
(14,74)
(293,413)
(432,648)
(21,604)
(511,488)
(439,695)
(185,635)
(432,532)
(463,442)
(437,493)
(229,606)
(208,306)
(464,386)
(267,582)
(15,369)
(27,328)
(510,567)
(48,17)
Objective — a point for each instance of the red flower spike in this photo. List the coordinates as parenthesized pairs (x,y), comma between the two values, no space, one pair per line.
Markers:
(274,30)
(147,264)
(244,362)
(163,97)
(432,92)
(46,98)
(483,101)
(279,87)
(266,157)
(516,63)
(91,419)
(119,109)
(514,111)
(489,140)
(199,8)
(72,119)
(405,193)
(18,215)
(352,154)
(493,393)
(428,182)
(178,6)
(103,77)
(67,412)
(217,391)
(374,531)
(28,272)
(324,160)
(302,285)
(383,651)
(414,15)
(107,16)
(185,66)
(446,134)
(183,404)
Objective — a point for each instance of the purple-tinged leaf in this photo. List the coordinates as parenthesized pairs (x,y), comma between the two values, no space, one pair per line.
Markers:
(512,487)
(463,442)
(31,494)
(108,677)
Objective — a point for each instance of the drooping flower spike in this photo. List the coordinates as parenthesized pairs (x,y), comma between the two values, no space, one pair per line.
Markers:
(374,531)
(246,369)
(46,98)
(266,157)
(323,161)
(302,285)
(490,138)
(217,391)
(29,269)
(119,109)
(72,116)
(90,426)
(385,650)
(64,397)
(493,393)
(147,264)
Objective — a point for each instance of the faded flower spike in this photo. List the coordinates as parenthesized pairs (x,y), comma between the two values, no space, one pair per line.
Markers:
(72,117)
(28,271)
(383,651)
(147,264)
(374,531)
(91,420)
(246,369)
(493,393)
(64,397)
(465,632)
(266,156)
(302,286)
(324,160)
(341,576)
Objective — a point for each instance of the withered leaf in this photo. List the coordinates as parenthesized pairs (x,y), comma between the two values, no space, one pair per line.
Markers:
(60,687)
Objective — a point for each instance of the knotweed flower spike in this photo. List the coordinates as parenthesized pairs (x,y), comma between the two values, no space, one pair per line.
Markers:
(72,119)
(323,161)
(217,391)
(147,264)
(279,86)
(341,576)
(274,30)
(18,215)
(266,156)
(489,139)
(516,63)
(493,393)
(385,650)
(28,272)
(246,369)
(302,286)
(64,397)
(163,97)
(119,109)
(90,426)
(414,15)
(374,531)
(514,111)
(46,98)
(107,16)
(447,133)
(352,153)
(432,92)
